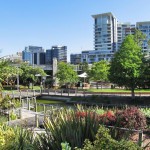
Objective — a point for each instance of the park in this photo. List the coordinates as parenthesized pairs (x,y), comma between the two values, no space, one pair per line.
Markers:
(106,106)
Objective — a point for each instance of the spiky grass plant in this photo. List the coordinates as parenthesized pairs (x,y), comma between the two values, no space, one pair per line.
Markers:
(68,126)
(23,140)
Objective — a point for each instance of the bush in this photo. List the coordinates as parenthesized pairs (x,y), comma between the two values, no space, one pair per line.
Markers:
(104,141)
(6,136)
(131,118)
(107,118)
(15,138)
(13,116)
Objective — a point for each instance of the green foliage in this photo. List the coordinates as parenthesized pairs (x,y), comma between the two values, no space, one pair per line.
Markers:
(6,137)
(66,74)
(29,73)
(22,140)
(12,116)
(84,66)
(144,81)
(126,66)
(99,71)
(104,141)
(3,65)
(8,73)
(139,37)
(15,138)
(68,129)
(66,125)
(99,111)
(3,118)
(7,102)
(49,82)
(65,146)
(146,111)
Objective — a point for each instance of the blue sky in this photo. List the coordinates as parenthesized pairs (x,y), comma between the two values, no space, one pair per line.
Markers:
(60,22)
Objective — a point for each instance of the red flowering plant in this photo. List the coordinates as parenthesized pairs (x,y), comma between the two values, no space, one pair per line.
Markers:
(131,118)
(80,114)
(107,118)
(87,114)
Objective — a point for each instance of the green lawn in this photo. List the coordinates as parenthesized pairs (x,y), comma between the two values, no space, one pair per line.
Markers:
(26,87)
(41,101)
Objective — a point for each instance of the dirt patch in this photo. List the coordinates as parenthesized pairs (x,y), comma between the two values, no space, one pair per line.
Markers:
(146,139)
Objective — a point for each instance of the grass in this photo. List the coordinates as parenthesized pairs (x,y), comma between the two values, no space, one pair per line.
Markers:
(26,87)
(42,101)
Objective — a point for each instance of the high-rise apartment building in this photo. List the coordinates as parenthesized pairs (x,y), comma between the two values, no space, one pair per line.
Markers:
(144,27)
(59,52)
(124,29)
(105,32)
(109,34)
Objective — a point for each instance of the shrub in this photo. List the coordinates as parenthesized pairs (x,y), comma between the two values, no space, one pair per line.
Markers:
(107,118)
(6,136)
(131,118)
(15,138)
(8,103)
(146,112)
(104,141)
(23,140)
(65,146)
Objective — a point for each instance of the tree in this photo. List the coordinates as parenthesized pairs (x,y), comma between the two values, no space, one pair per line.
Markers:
(144,81)
(66,74)
(126,66)
(139,37)
(84,66)
(29,73)
(8,73)
(99,71)
(5,71)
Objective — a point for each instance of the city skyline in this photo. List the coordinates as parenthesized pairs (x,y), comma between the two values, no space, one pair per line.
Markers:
(47,23)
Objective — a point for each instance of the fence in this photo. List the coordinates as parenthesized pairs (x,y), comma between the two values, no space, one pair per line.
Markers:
(68,92)
(129,131)
(28,102)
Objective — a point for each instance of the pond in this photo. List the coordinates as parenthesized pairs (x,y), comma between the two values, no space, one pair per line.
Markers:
(49,104)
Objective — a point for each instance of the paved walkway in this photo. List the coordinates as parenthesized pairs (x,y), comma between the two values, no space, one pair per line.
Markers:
(28,118)
(31,93)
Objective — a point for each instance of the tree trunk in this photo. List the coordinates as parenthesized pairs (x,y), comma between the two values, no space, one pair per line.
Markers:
(97,85)
(132,93)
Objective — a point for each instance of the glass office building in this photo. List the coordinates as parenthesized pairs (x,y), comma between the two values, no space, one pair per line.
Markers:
(59,52)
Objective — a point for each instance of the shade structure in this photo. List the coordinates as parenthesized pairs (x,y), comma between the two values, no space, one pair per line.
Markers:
(38,75)
(83,75)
